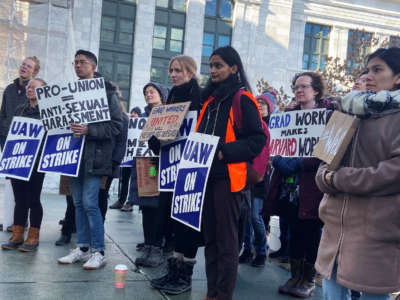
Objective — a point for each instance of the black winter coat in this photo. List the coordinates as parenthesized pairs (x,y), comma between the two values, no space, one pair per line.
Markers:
(189,91)
(101,139)
(14,95)
(250,138)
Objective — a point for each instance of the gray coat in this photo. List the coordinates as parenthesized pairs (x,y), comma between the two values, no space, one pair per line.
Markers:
(101,138)
(14,95)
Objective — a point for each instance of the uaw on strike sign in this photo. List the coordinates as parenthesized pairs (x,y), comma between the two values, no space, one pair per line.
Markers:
(21,148)
(295,133)
(190,186)
(82,102)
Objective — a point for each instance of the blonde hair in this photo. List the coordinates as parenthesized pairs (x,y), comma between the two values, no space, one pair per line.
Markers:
(37,63)
(187,63)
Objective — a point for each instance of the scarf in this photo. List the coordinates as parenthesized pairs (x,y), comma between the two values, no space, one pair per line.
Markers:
(367,103)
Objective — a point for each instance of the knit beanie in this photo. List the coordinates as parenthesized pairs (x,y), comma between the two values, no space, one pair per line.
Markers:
(162,90)
(270,99)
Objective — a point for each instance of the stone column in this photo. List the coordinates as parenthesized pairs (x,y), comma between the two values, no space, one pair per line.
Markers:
(194,28)
(142,50)
(261,35)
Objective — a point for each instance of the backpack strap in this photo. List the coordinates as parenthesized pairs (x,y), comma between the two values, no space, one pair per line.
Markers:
(237,109)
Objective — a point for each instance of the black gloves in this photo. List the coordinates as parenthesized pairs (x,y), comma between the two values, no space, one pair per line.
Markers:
(154,145)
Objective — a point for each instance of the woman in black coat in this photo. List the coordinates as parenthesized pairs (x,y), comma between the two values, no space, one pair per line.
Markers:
(182,71)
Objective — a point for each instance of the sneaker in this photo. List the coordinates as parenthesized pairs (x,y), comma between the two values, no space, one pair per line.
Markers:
(259,261)
(116,205)
(127,207)
(246,257)
(76,255)
(96,261)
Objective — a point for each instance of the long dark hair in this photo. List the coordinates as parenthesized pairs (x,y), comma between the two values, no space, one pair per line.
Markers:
(232,57)
(391,56)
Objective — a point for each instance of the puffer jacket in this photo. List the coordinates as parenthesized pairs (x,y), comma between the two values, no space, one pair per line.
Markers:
(101,139)
(361,210)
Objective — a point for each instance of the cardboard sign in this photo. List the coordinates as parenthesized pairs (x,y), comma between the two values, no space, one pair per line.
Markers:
(62,153)
(295,133)
(170,154)
(82,102)
(164,122)
(147,185)
(336,138)
(21,148)
(190,187)
(134,147)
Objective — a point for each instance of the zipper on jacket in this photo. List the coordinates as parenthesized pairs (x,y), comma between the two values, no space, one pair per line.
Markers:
(346,196)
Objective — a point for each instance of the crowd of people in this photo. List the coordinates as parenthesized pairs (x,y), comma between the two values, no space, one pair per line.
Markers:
(342,223)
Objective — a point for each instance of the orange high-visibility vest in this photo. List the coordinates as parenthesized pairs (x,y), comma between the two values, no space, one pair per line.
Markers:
(237,171)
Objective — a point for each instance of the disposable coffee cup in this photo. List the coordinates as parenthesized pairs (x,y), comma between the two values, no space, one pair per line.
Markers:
(120,275)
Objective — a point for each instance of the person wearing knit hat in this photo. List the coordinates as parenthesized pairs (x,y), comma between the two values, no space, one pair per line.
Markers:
(162,90)
(136,111)
(268,98)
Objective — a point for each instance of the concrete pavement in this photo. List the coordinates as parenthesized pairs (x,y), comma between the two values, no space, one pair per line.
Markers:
(38,276)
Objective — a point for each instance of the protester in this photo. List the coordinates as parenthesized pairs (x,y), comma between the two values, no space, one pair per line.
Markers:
(227,178)
(27,193)
(15,95)
(68,223)
(259,191)
(96,162)
(294,190)
(124,178)
(126,174)
(182,71)
(152,213)
(361,82)
(118,150)
(359,247)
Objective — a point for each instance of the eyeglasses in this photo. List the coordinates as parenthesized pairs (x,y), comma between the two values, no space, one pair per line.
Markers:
(80,62)
(302,87)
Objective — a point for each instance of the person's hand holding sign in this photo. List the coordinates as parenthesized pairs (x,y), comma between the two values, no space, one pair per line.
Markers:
(79,129)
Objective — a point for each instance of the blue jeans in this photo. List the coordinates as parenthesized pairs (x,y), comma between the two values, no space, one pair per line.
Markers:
(89,222)
(334,291)
(256,223)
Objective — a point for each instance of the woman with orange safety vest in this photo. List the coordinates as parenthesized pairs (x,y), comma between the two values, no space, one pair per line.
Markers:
(227,179)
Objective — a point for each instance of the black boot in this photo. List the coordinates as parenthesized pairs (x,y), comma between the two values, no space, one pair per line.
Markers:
(172,274)
(184,281)
(63,240)
(305,288)
(296,270)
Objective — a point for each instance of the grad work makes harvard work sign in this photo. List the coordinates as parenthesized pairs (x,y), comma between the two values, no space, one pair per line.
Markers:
(82,102)
(295,133)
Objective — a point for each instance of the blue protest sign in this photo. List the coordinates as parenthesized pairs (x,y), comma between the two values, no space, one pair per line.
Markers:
(134,147)
(170,154)
(191,181)
(62,153)
(21,148)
